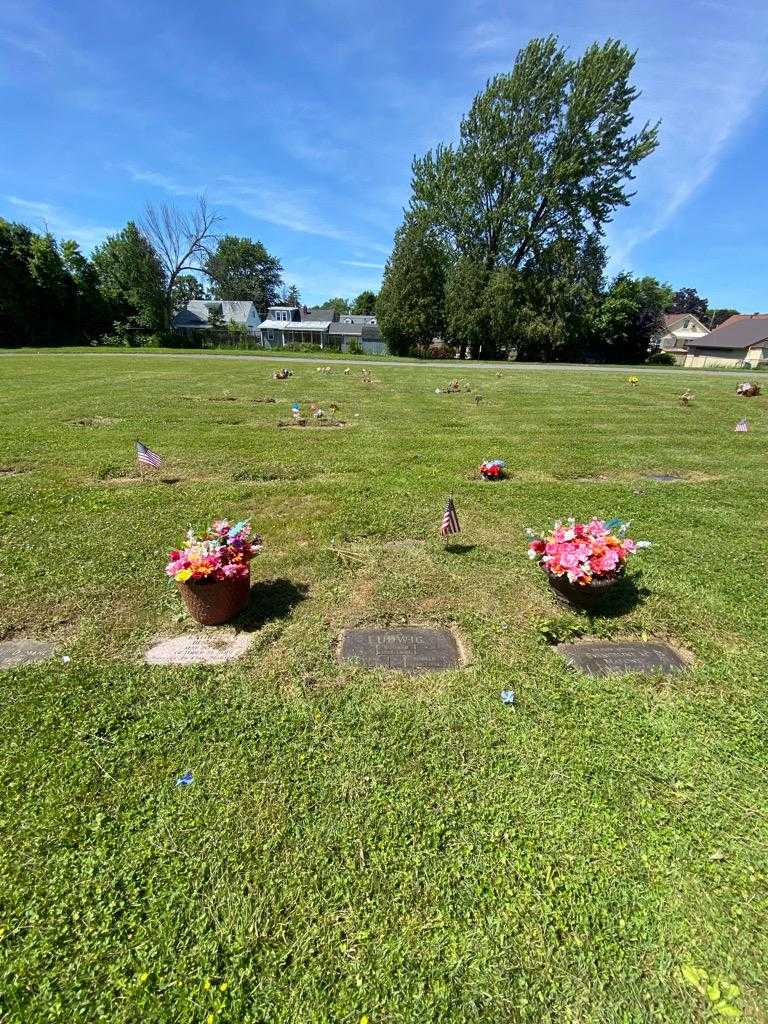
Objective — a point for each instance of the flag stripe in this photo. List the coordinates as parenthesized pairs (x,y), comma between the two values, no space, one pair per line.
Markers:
(146,456)
(742,427)
(450,523)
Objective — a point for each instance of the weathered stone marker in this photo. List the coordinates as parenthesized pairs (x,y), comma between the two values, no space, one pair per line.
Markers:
(410,649)
(24,652)
(605,659)
(192,649)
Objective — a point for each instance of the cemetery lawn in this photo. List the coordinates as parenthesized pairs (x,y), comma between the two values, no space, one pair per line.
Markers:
(361,844)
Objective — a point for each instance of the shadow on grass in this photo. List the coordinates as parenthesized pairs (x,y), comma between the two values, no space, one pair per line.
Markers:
(459,549)
(621,599)
(269,600)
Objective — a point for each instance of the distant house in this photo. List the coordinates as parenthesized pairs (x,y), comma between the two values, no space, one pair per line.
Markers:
(294,326)
(195,315)
(742,340)
(678,332)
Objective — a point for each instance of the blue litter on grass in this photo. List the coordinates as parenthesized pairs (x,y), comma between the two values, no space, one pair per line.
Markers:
(507,696)
(185,780)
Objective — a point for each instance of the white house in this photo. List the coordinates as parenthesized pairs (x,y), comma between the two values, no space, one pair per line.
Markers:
(679,331)
(195,315)
(294,326)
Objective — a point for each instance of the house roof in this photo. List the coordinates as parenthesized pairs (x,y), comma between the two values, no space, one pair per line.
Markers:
(359,330)
(295,325)
(328,315)
(670,319)
(195,313)
(737,332)
(743,316)
(356,318)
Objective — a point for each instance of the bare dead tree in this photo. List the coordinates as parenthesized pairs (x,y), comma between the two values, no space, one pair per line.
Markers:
(181,240)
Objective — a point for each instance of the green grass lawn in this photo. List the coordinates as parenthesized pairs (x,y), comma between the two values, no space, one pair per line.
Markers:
(362,844)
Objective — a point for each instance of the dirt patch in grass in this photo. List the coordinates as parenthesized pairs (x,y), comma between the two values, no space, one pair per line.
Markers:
(96,421)
(269,474)
(313,424)
(264,401)
(13,471)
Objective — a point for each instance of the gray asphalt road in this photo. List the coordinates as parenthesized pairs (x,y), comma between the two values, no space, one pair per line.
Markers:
(449,366)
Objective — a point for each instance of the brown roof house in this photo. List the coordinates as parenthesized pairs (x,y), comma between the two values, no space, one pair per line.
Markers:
(678,332)
(742,340)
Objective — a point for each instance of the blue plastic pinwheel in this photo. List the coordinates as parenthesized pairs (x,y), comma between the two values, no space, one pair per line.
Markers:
(507,696)
(185,780)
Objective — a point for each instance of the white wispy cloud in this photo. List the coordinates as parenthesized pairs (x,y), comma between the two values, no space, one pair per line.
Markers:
(42,216)
(294,208)
(361,263)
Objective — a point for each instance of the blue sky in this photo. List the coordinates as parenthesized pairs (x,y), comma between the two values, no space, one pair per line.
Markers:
(299,121)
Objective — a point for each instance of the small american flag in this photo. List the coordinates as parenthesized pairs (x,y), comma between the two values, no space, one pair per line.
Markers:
(450,523)
(742,426)
(146,456)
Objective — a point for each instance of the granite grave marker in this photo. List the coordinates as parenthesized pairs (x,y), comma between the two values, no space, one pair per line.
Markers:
(410,649)
(608,659)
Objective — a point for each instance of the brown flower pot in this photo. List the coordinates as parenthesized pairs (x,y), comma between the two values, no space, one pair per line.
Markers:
(575,595)
(216,601)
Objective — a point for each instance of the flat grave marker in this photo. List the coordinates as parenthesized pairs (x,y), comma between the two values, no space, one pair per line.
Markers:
(410,649)
(196,649)
(609,659)
(24,652)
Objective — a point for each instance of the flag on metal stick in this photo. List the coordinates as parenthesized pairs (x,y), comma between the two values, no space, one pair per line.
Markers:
(742,426)
(146,457)
(450,523)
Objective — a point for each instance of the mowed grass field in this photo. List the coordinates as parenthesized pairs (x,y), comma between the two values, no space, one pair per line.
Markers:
(364,844)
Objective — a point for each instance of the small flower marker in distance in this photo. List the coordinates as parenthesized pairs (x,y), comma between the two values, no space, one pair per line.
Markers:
(185,780)
(507,696)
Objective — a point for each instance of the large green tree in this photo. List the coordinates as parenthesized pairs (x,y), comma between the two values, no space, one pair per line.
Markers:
(688,300)
(714,317)
(631,313)
(240,268)
(90,313)
(338,303)
(187,288)
(410,306)
(132,279)
(545,152)
(365,303)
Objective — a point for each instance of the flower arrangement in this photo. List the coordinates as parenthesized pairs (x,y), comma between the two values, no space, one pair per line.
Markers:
(492,469)
(222,553)
(583,552)
(282,374)
(748,389)
(633,381)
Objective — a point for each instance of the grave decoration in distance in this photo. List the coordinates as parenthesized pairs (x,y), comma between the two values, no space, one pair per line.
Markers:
(493,469)
(604,659)
(633,381)
(583,561)
(748,390)
(412,649)
(212,572)
(742,427)
(282,374)
(686,398)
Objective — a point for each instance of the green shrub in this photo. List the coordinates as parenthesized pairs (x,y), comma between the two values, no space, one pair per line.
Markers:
(662,359)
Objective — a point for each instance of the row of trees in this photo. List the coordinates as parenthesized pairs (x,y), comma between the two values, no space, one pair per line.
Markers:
(501,247)
(364,304)
(133,283)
